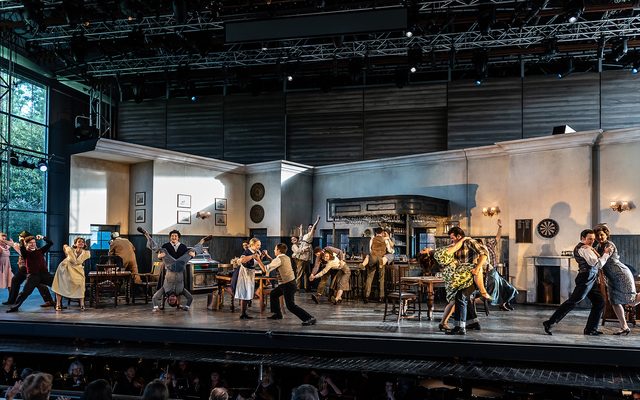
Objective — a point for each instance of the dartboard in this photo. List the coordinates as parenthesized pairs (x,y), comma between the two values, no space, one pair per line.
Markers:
(548,228)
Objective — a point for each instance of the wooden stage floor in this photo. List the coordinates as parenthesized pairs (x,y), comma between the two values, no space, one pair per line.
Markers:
(349,328)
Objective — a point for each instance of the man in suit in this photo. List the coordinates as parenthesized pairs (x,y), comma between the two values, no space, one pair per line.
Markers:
(589,262)
(124,249)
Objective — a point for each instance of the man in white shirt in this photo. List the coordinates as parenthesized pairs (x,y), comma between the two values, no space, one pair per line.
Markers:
(286,287)
(589,263)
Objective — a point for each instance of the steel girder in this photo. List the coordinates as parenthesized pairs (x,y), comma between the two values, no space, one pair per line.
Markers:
(379,45)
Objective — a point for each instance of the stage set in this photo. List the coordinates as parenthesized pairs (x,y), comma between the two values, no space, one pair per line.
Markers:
(511,346)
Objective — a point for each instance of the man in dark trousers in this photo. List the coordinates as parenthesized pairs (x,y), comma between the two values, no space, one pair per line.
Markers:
(21,276)
(589,262)
(286,287)
(36,263)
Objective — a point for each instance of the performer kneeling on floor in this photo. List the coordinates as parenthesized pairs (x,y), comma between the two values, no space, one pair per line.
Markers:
(173,285)
(286,287)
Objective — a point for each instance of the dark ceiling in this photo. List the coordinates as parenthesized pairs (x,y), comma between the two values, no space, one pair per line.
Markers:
(137,44)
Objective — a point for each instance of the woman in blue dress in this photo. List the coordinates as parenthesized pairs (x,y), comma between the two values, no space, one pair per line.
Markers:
(620,283)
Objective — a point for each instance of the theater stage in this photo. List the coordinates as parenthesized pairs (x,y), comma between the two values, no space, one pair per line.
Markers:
(344,336)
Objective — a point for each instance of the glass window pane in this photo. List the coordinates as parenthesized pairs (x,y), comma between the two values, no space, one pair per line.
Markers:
(26,189)
(32,222)
(27,135)
(28,100)
(4,91)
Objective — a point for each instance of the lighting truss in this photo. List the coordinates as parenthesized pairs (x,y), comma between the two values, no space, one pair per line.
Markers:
(379,45)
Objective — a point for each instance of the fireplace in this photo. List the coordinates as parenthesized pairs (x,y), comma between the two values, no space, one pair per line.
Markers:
(550,279)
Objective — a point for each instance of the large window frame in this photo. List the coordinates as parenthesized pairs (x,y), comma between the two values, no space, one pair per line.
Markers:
(35,117)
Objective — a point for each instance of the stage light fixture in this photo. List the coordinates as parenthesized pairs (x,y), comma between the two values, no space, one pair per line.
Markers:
(290,78)
(42,165)
(413,70)
(574,9)
(408,34)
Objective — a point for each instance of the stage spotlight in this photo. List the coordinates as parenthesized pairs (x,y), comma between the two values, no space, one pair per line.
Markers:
(194,98)
(408,34)
(478,82)
(575,8)
(290,78)
(42,165)
(413,70)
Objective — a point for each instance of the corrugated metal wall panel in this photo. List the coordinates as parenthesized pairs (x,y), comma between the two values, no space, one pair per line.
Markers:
(316,102)
(620,99)
(401,132)
(195,128)
(483,115)
(549,101)
(629,249)
(143,123)
(319,139)
(254,128)
(409,97)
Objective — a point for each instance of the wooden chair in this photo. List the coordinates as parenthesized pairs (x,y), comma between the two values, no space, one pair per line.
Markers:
(149,282)
(403,297)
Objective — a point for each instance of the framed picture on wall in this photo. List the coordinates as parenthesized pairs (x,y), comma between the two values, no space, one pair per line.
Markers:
(524,231)
(141,216)
(184,217)
(141,199)
(221,219)
(184,201)
(221,204)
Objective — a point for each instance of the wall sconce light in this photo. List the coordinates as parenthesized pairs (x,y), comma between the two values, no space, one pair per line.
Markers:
(490,211)
(621,205)
(203,214)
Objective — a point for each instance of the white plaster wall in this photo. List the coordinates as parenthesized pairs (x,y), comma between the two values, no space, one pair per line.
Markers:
(141,179)
(99,194)
(619,166)
(297,201)
(488,175)
(270,202)
(204,186)
(548,184)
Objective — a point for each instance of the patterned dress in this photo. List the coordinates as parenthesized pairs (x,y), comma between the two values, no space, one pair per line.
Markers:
(456,276)
(5,267)
(620,282)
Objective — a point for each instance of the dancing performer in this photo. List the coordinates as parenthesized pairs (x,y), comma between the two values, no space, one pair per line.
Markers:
(589,262)
(36,264)
(245,287)
(340,282)
(286,287)
(375,262)
(173,286)
(318,252)
(502,292)
(5,263)
(21,276)
(69,280)
(124,249)
(301,256)
(621,286)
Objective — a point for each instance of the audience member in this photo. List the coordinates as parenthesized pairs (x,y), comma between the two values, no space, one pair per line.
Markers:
(99,389)
(219,394)
(75,376)
(305,392)
(8,373)
(155,390)
(37,386)
(128,384)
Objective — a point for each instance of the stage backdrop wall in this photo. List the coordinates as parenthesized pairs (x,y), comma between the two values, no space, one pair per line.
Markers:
(364,123)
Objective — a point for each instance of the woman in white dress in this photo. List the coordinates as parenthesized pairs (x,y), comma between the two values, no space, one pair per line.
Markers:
(69,279)
(245,287)
(5,263)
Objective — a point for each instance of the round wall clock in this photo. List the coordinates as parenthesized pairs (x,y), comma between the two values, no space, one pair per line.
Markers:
(257,191)
(548,228)
(256,213)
